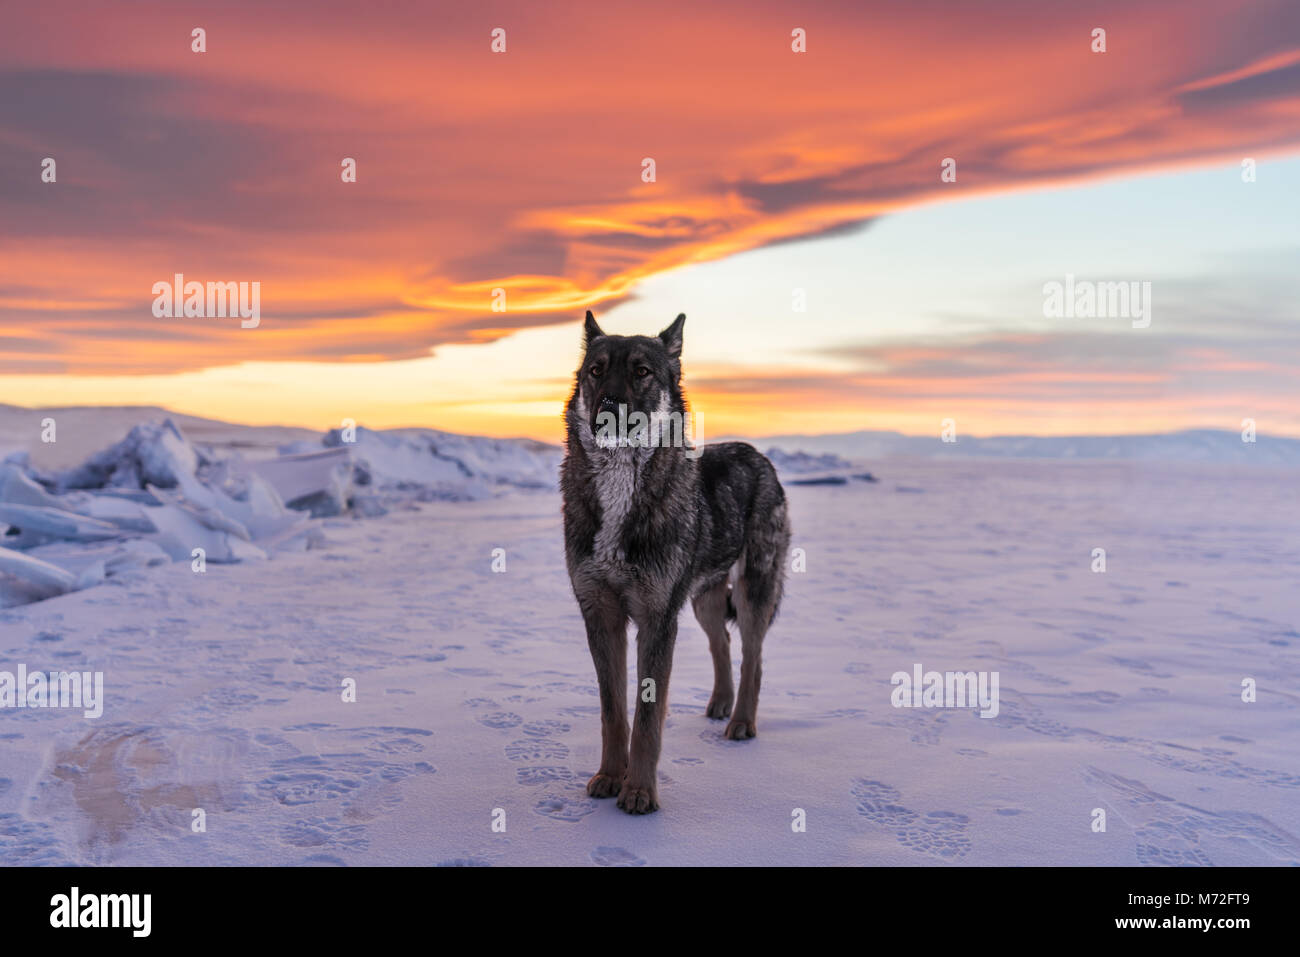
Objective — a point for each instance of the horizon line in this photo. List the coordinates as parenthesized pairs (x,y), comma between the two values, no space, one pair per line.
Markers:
(730,436)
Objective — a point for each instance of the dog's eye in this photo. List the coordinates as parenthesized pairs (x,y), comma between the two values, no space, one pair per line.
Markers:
(642,372)
(596,371)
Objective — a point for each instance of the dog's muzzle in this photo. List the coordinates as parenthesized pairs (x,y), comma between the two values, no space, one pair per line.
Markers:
(607,404)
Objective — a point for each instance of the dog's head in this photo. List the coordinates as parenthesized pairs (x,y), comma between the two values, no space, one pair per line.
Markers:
(627,388)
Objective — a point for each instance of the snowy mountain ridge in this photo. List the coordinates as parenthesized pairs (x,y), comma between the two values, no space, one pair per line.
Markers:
(1193,445)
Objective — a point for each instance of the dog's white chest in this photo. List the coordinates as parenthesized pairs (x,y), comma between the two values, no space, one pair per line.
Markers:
(616,486)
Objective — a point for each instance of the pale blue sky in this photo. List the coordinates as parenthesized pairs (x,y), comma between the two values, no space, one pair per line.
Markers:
(981,263)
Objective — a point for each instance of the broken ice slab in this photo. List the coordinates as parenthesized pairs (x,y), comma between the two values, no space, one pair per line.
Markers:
(125,514)
(154,453)
(17,489)
(33,576)
(38,524)
(320,481)
(261,511)
(259,515)
(455,466)
(205,512)
(116,557)
(180,532)
(137,495)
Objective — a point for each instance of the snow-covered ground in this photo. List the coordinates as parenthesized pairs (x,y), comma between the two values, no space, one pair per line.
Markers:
(1119,690)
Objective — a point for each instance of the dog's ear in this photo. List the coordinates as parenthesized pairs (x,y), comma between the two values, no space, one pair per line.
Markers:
(672,337)
(590,329)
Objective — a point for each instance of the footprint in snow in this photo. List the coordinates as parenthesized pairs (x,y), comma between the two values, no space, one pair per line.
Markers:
(561,808)
(532,776)
(544,729)
(322,832)
(501,719)
(616,857)
(395,746)
(536,749)
(939,834)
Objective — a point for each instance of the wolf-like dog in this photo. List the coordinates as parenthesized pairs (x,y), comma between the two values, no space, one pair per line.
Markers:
(651,522)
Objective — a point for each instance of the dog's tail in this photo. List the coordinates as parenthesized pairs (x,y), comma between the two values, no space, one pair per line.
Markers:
(767,543)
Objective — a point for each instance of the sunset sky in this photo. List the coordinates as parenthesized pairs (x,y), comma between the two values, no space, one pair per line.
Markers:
(776,171)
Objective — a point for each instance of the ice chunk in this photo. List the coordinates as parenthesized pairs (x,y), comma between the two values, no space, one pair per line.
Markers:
(42,577)
(18,489)
(39,523)
(449,465)
(261,511)
(134,553)
(125,514)
(320,481)
(154,453)
(201,504)
(116,557)
(180,531)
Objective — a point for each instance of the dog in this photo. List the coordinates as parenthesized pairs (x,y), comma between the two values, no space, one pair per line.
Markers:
(651,522)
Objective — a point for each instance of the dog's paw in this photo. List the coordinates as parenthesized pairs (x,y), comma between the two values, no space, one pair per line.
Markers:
(718,708)
(638,800)
(738,730)
(604,785)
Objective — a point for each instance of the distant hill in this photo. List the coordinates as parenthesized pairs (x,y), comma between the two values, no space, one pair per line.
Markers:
(1196,445)
(84,430)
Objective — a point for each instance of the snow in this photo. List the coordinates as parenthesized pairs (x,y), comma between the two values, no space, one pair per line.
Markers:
(1119,690)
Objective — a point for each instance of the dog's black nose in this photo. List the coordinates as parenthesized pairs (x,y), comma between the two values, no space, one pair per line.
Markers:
(609,404)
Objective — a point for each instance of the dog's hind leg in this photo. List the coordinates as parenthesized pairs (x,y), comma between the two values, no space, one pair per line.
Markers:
(607,638)
(756,596)
(710,607)
(753,626)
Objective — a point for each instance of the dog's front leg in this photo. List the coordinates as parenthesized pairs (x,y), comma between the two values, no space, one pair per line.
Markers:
(640,793)
(607,639)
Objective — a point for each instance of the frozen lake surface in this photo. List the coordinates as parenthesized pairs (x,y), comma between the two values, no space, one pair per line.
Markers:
(1119,691)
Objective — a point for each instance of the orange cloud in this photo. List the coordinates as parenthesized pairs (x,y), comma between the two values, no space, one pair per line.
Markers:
(522,171)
